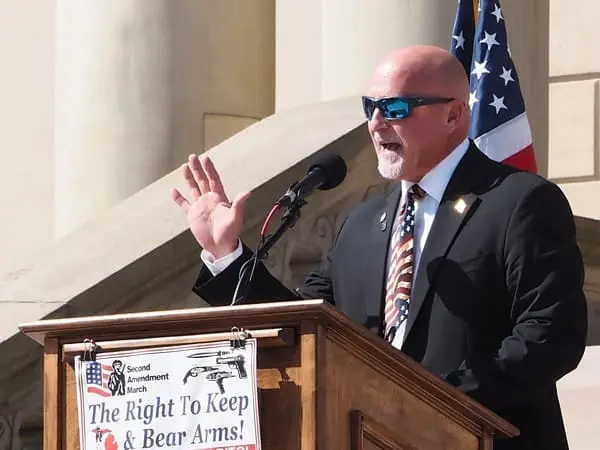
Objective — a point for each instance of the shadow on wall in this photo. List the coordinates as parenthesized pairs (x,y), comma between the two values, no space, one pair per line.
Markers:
(593,323)
(588,237)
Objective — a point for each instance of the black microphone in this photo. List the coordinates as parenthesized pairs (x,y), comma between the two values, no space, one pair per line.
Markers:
(325,172)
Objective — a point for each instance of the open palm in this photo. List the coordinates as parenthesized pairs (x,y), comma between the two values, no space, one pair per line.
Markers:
(214,221)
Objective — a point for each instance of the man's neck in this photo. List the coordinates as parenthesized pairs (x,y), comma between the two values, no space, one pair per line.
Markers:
(435,181)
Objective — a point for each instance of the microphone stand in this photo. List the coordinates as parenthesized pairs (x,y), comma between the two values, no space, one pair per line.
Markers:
(288,220)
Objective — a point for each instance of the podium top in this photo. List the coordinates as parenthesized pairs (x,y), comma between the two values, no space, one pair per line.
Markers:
(204,319)
(355,339)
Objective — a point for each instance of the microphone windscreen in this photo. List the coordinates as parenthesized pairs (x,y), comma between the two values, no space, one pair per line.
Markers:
(333,168)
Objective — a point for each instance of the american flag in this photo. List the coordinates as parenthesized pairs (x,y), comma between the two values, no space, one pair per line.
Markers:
(499,123)
(96,378)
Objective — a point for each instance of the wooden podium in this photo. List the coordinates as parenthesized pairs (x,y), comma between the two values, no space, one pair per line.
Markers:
(324,382)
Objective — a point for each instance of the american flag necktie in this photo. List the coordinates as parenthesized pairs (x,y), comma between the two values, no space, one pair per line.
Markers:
(400,273)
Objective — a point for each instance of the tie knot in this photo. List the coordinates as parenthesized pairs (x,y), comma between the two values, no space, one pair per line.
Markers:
(417,192)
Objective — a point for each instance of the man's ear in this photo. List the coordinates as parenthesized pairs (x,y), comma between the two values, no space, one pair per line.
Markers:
(456,114)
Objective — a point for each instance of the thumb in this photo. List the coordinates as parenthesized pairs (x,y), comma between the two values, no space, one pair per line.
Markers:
(239,202)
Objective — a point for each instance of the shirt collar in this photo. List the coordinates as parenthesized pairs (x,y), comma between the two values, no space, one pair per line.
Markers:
(435,181)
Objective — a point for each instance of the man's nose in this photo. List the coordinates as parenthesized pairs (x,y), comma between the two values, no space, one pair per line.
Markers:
(377,119)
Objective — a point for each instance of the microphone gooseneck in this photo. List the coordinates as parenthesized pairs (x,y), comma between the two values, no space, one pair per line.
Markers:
(327,171)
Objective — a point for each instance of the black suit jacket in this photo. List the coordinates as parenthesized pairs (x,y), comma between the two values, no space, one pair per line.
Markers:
(497,308)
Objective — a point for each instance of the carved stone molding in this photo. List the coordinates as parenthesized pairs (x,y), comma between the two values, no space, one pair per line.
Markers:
(8,430)
(21,421)
(305,245)
(31,438)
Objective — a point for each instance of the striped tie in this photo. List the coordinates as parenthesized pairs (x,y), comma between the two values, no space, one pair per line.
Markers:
(400,274)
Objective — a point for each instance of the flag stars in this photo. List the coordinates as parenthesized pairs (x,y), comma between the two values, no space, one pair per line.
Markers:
(497,13)
(473,99)
(506,75)
(480,69)
(489,40)
(460,40)
(498,103)
(402,306)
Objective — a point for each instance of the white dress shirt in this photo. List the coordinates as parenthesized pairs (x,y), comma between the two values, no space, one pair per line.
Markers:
(433,183)
(216,266)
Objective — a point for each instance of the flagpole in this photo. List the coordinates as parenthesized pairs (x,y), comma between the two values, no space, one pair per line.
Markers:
(476,8)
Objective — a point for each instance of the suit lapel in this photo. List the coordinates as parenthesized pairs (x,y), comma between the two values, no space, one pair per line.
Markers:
(457,205)
(379,240)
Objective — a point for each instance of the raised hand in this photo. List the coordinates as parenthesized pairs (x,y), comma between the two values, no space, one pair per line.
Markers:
(214,221)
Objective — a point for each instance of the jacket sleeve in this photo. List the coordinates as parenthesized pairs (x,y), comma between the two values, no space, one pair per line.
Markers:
(544,276)
(219,290)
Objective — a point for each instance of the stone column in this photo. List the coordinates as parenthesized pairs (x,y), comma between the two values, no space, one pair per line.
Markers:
(113,96)
(140,84)
(328,48)
(357,33)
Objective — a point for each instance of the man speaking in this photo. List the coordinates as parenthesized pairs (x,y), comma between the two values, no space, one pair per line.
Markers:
(478,277)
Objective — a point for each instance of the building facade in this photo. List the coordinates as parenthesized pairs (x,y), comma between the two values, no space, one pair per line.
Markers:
(102,101)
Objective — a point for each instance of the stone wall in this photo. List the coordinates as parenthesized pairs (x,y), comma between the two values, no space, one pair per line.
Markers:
(574,103)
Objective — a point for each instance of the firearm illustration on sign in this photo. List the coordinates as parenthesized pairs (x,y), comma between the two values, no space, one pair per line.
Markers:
(218,374)
(197,370)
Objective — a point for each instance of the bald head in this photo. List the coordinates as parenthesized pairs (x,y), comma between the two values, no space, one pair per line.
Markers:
(424,70)
(408,147)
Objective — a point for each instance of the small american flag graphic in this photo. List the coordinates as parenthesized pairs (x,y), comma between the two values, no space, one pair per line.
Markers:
(96,378)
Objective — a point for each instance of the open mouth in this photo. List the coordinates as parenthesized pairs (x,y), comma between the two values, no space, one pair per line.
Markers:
(391,146)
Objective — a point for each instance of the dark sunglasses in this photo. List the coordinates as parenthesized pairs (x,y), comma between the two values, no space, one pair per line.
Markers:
(395,108)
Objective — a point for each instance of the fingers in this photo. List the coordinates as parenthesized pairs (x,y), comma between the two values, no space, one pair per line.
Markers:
(240,202)
(180,200)
(199,177)
(202,177)
(214,181)
(191,182)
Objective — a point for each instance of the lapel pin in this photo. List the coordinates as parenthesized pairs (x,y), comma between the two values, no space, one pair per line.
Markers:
(460,206)
(383,221)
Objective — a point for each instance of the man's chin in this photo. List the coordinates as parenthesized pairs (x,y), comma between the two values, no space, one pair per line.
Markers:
(390,171)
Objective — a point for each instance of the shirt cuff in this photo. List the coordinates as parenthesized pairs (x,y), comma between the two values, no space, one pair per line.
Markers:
(216,266)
